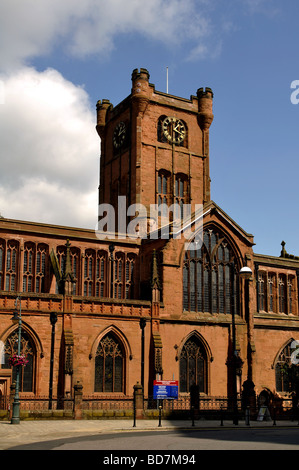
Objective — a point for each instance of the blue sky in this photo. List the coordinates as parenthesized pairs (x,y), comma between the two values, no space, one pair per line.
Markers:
(59,58)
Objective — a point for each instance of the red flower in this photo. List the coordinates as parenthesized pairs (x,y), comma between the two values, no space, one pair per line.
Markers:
(16,360)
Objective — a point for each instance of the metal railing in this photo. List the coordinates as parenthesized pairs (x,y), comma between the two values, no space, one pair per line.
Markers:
(212,407)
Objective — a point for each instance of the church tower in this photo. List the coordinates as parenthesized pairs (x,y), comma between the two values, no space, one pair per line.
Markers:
(155,147)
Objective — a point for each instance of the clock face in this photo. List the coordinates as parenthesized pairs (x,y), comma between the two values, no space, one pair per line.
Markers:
(119,135)
(174,130)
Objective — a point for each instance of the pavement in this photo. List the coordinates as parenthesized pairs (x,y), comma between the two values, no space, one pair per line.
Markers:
(27,432)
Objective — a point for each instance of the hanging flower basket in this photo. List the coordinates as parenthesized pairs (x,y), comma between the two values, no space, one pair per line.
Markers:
(16,360)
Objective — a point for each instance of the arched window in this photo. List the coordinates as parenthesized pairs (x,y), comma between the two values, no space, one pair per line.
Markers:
(109,365)
(28,267)
(35,267)
(286,368)
(193,366)
(181,191)
(210,276)
(101,274)
(118,280)
(41,268)
(164,191)
(262,292)
(130,262)
(2,254)
(11,265)
(89,273)
(27,349)
(272,292)
(123,275)
(282,293)
(95,273)
(75,267)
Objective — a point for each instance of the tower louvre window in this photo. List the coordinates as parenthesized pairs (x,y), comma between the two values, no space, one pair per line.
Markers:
(1,263)
(163,196)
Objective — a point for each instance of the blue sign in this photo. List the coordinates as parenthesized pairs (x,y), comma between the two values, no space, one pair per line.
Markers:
(166,389)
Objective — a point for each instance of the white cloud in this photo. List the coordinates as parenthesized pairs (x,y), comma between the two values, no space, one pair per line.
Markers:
(49,146)
(32,28)
(50,150)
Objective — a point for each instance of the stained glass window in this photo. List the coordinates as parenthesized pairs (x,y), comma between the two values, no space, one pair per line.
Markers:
(109,366)
(11,266)
(284,361)
(209,276)
(27,349)
(193,367)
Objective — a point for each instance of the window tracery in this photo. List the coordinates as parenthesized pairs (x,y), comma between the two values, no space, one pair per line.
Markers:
(109,365)
(193,366)
(27,349)
(210,276)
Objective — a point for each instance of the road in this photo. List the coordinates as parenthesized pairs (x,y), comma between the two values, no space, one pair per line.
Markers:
(178,440)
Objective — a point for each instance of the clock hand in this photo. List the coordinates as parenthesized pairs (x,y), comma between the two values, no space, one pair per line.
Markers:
(178,132)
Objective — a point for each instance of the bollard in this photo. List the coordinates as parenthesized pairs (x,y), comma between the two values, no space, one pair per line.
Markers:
(274,416)
(160,416)
(247,416)
(78,399)
(221,415)
(138,401)
(134,414)
(192,415)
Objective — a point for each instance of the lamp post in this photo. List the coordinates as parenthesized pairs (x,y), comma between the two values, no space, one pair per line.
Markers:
(142,324)
(17,319)
(245,273)
(234,352)
(248,385)
(53,320)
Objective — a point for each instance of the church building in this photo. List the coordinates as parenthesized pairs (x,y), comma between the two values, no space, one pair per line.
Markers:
(169,286)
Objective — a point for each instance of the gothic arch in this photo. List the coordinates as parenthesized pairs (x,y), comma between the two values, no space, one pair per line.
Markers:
(118,334)
(194,356)
(29,330)
(282,363)
(285,344)
(210,274)
(111,352)
(199,336)
(217,227)
(31,346)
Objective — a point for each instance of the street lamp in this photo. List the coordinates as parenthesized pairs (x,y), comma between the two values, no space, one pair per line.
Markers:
(17,319)
(142,325)
(245,273)
(53,320)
